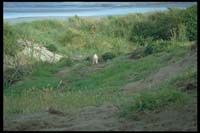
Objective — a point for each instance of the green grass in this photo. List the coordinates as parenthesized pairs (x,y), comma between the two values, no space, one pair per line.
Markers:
(151,101)
(86,36)
(42,73)
(167,94)
(158,99)
(40,99)
(93,88)
(70,39)
(114,75)
(30,82)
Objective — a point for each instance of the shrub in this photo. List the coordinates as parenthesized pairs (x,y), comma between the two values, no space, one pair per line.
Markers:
(108,56)
(148,50)
(51,48)
(88,58)
(190,21)
(158,46)
(159,25)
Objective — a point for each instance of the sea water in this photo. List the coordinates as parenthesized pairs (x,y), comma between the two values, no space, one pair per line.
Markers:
(68,9)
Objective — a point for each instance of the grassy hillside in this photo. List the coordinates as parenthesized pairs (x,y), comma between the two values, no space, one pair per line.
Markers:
(86,85)
(154,64)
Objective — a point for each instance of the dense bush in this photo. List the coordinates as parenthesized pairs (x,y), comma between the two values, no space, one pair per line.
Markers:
(190,21)
(177,24)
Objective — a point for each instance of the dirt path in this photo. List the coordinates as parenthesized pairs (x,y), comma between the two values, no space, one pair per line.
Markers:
(93,68)
(89,69)
(88,118)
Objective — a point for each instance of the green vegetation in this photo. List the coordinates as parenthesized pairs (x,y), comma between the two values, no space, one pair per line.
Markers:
(51,48)
(116,34)
(168,94)
(42,89)
(154,39)
(9,39)
(108,56)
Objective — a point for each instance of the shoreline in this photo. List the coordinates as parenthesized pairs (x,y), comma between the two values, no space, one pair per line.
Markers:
(59,18)
(64,18)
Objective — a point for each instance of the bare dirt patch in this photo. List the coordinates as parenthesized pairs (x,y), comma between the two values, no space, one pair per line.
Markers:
(89,118)
(92,68)
(105,118)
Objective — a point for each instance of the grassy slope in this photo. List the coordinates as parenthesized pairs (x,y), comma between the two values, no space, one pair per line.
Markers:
(86,85)
(42,89)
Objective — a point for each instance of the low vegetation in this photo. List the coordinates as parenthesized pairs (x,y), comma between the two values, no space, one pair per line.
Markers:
(150,40)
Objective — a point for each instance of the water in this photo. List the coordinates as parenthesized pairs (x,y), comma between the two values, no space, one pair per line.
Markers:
(66,9)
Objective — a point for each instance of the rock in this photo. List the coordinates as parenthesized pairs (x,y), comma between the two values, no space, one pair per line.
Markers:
(39,52)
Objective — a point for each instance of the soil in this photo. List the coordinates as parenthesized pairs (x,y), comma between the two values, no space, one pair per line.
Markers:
(105,118)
